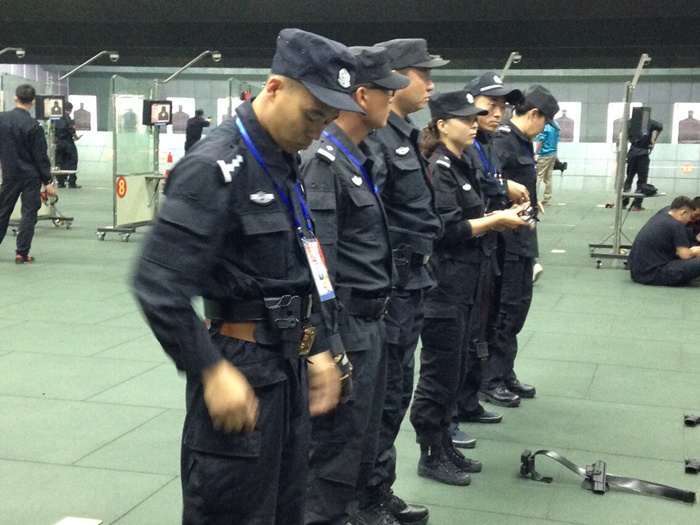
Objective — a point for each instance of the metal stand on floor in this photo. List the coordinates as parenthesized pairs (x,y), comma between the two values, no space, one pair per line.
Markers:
(617,250)
(48,211)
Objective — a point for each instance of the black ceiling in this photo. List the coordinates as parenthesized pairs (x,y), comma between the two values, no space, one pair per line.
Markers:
(476,34)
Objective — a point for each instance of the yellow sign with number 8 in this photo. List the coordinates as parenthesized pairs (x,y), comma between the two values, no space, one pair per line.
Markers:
(121,187)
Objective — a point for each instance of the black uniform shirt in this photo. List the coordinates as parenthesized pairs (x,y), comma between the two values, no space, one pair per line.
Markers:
(459,198)
(64,128)
(195,125)
(408,196)
(23,150)
(349,217)
(656,243)
(494,186)
(224,233)
(640,144)
(517,160)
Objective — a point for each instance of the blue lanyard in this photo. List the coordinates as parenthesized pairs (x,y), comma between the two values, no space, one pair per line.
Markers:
(483,158)
(354,160)
(283,197)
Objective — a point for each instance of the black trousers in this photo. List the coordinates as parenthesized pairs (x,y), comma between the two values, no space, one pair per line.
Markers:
(404,321)
(254,478)
(445,360)
(638,166)
(66,159)
(515,300)
(344,441)
(679,272)
(11,190)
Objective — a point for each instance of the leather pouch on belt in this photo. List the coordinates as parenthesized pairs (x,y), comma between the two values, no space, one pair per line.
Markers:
(284,315)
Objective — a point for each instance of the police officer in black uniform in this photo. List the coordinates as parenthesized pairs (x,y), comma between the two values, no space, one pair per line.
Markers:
(491,95)
(638,160)
(513,146)
(66,152)
(461,267)
(340,172)
(25,166)
(236,230)
(414,226)
(195,125)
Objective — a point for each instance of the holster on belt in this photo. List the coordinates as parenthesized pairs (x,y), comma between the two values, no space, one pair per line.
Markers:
(284,320)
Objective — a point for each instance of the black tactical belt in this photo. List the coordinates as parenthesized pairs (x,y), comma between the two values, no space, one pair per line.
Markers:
(246,311)
(598,480)
(359,306)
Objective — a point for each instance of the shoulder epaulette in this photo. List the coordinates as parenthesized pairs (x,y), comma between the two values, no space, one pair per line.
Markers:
(444,162)
(324,153)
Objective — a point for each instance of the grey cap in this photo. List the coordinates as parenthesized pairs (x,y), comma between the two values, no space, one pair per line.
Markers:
(411,52)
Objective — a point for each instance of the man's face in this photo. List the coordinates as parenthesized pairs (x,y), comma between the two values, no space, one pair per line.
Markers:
(495,106)
(299,117)
(537,123)
(376,105)
(695,215)
(414,97)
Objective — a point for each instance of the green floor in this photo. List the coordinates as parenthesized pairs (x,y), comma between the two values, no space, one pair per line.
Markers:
(91,408)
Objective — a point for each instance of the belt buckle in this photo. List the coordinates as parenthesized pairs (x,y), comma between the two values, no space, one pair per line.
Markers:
(308,334)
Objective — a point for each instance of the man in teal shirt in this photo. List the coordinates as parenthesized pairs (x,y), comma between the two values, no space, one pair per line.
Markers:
(546,149)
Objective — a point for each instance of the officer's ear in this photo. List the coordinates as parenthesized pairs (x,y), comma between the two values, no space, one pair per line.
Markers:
(273,86)
(360,97)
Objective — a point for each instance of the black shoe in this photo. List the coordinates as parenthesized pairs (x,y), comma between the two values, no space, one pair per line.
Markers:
(465,464)
(460,439)
(405,513)
(74,186)
(500,396)
(521,389)
(374,513)
(434,464)
(483,417)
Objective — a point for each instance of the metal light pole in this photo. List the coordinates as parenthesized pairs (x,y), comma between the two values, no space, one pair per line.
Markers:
(113,56)
(19,50)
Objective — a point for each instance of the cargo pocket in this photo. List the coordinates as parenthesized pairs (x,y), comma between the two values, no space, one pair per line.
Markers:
(266,235)
(409,182)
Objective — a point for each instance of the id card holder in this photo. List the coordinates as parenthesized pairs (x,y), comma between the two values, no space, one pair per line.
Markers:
(317,264)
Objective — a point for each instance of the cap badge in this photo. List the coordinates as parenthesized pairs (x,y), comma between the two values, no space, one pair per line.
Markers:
(497,79)
(344,78)
(262,198)
(402,150)
(467,187)
(470,98)
(357,181)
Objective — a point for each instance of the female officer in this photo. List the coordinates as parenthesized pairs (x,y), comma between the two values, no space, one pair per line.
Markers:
(459,264)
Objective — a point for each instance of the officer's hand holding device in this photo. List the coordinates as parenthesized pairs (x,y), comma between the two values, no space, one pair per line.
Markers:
(50,190)
(517,192)
(324,383)
(230,399)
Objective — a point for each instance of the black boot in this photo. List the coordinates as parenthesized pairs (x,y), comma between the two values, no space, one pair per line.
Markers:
(434,464)
(373,513)
(457,458)
(521,389)
(405,513)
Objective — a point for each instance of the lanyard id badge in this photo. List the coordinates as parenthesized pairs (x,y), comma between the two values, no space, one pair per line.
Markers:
(317,264)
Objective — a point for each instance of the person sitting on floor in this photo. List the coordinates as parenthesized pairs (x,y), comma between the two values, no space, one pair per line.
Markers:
(661,254)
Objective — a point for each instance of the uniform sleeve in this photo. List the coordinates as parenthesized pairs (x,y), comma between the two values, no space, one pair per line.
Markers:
(179,254)
(40,156)
(680,236)
(447,191)
(657,126)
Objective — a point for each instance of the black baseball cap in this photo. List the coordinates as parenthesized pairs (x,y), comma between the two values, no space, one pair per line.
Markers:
(490,85)
(411,52)
(541,98)
(325,67)
(453,104)
(373,67)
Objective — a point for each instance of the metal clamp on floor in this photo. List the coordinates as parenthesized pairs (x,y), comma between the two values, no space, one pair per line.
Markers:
(598,480)
(691,421)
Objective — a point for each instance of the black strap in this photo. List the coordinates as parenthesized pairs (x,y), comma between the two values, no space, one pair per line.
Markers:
(598,480)
(360,306)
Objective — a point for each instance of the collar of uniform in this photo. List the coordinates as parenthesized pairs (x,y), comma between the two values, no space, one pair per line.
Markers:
(483,137)
(441,149)
(271,153)
(402,125)
(349,145)
(516,131)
